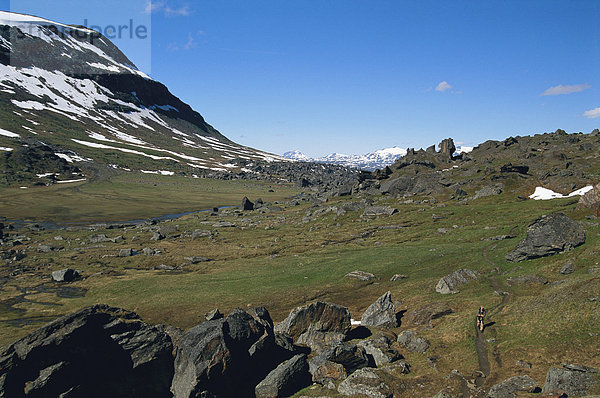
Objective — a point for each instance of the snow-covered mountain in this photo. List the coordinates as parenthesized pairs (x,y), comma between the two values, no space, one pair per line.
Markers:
(370,161)
(74,90)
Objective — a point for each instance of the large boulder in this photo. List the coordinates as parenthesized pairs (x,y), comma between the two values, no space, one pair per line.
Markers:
(379,211)
(247,204)
(287,378)
(65,275)
(548,235)
(449,283)
(365,382)
(509,388)
(349,355)
(382,313)
(98,351)
(317,316)
(227,356)
(575,380)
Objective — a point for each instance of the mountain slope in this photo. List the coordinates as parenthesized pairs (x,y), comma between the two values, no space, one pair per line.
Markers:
(72,89)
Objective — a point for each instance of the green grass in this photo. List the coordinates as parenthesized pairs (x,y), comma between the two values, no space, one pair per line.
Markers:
(130,196)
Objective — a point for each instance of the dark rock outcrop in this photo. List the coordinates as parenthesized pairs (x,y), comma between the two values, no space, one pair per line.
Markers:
(379,350)
(548,235)
(98,351)
(287,378)
(65,275)
(349,355)
(382,313)
(247,204)
(575,380)
(226,357)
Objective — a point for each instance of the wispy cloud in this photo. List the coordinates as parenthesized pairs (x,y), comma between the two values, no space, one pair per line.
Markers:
(161,6)
(592,113)
(443,86)
(566,89)
(192,42)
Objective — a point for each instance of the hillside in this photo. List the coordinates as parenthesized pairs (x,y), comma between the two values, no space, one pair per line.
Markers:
(72,89)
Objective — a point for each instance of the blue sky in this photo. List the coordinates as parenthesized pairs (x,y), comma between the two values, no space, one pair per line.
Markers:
(353,76)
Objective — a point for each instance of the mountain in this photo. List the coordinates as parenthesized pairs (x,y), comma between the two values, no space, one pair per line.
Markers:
(370,161)
(69,88)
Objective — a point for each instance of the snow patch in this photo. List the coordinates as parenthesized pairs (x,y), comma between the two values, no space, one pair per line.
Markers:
(7,133)
(70,181)
(6,149)
(542,193)
(161,172)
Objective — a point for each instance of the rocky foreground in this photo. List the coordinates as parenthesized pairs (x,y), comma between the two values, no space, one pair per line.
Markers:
(101,351)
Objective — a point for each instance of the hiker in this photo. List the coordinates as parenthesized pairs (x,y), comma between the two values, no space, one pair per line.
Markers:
(481,318)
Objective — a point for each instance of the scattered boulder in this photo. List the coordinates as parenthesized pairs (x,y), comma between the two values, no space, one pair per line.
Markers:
(157,235)
(365,382)
(510,168)
(148,251)
(45,249)
(287,378)
(199,233)
(349,355)
(575,380)
(398,277)
(568,268)
(362,275)
(382,313)
(449,283)
(526,280)
(164,267)
(488,191)
(317,316)
(326,372)
(126,252)
(197,259)
(591,200)
(379,350)
(427,313)
(510,387)
(98,351)
(412,342)
(247,204)
(443,394)
(548,235)
(65,275)
(379,211)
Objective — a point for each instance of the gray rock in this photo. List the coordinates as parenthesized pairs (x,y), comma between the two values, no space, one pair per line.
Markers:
(287,378)
(488,191)
(548,235)
(226,357)
(65,275)
(379,211)
(247,204)
(568,268)
(126,252)
(524,364)
(99,238)
(365,382)
(317,339)
(157,235)
(379,350)
(164,267)
(326,372)
(213,315)
(98,351)
(412,342)
(449,283)
(223,224)
(362,275)
(510,387)
(150,252)
(398,277)
(197,259)
(349,355)
(527,279)
(45,249)
(575,380)
(199,233)
(317,316)
(382,313)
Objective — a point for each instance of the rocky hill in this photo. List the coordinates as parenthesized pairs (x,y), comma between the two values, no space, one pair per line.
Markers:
(370,161)
(71,89)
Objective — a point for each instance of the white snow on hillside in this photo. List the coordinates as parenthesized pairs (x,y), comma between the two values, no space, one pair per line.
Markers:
(370,161)
(542,193)
(7,133)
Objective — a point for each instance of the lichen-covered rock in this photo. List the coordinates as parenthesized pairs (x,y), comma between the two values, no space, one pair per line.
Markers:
(365,382)
(509,388)
(548,235)
(575,380)
(412,342)
(287,378)
(379,350)
(449,283)
(317,316)
(382,313)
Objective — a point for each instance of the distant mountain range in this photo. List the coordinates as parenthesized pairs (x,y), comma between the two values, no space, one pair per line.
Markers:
(370,161)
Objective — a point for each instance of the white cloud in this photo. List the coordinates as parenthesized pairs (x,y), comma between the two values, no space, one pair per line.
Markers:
(161,6)
(443,86)
(592,113)
(191,43)
(568,89)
